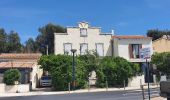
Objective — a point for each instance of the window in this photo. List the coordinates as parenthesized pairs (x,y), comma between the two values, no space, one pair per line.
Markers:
(83,32)
(67,48)
(134,50)
(100,49)
(83,48)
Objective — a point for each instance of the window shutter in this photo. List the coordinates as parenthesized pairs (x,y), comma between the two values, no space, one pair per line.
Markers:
(140,47)
(130,51)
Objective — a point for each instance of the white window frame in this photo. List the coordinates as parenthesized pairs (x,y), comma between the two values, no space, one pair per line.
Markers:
(69,53)
(102,50)
(81,44)
(83,35)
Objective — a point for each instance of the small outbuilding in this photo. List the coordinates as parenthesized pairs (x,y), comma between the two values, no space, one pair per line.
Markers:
(26,63)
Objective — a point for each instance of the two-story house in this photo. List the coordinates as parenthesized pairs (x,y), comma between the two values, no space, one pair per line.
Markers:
(83,37)
(129,48)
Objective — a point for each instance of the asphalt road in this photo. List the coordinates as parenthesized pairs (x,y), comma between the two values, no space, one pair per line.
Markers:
(115,95)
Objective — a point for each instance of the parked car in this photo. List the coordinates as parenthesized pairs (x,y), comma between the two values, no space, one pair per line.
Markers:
(45,81)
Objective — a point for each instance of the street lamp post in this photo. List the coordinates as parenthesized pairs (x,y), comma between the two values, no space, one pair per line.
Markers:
(73,73)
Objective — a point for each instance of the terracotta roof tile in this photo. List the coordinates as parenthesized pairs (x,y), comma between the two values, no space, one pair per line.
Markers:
(132,37)
(17,64)
(20,55)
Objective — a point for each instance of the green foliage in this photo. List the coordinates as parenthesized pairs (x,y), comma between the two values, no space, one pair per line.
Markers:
(9,42)
(60,67)
(162,62)
(115,70)
(13,42)
(155,33)
(90,61)
(11,75)
(30,46)
(46,37)
(3,40)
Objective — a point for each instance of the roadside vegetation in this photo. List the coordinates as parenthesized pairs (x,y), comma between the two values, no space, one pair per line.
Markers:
(114,70)
(162,63)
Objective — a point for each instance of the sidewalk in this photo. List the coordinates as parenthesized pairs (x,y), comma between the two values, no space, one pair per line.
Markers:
(67,92)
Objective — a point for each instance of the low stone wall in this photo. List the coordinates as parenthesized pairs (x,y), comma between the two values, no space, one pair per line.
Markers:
(2,88)
(14,88)
(136,81)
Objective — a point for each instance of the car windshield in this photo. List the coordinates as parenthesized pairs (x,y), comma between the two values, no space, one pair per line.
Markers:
(46,78)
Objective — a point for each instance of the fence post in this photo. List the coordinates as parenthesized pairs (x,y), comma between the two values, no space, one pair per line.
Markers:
(69,87)
(106,85)
(88,85)
(124,84)
(143,95)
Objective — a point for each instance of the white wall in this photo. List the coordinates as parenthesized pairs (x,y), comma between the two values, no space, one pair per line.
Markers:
(14,88)
(35,75)
(73,36)
(136,81)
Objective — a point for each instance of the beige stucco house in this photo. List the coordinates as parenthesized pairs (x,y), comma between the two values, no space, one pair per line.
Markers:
(162,44)
(83,37)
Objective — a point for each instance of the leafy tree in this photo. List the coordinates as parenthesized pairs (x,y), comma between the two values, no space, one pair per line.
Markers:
(30,46)
(162,62)
(11,75)
(13,42)
(46,37)
(156,34)
(3,40)
(91,62)
(115,70)
(60,67)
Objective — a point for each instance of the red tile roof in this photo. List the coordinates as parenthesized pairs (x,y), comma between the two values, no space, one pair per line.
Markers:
(17,64)
(20,55)
(132,37)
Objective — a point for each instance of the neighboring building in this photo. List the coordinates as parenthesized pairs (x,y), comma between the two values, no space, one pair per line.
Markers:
(25,63)
(162,44)
(83,37)
(129,47)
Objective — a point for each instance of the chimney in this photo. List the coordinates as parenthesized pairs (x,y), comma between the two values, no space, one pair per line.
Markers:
(113,32)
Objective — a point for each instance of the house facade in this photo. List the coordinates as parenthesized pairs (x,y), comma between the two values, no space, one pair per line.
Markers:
(129,48)
(82,38)
(162,44)
(27,64)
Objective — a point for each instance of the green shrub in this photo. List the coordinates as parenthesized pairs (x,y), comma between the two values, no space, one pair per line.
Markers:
(115,70)
(11,75)
(60,67)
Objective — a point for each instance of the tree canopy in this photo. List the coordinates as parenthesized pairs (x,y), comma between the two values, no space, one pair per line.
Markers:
(46,37)
(156,34)
(9,42)
(115,70)
(162,62)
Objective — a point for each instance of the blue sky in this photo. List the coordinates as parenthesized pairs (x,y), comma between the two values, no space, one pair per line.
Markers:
(126,17)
